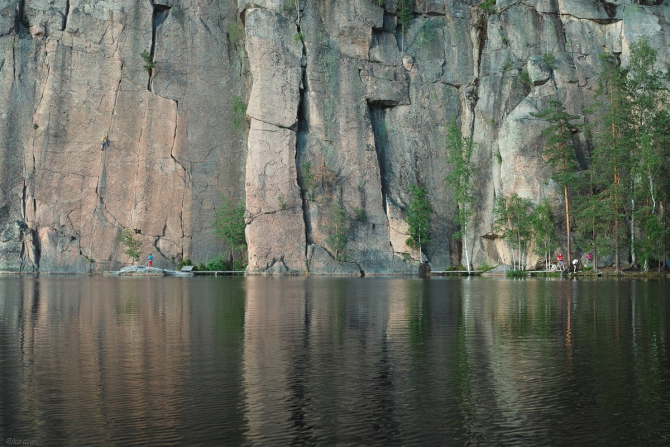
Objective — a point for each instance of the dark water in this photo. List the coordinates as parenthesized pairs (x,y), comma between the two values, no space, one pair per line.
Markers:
(314,361)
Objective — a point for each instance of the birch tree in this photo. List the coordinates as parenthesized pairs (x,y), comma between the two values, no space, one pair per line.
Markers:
(459,156)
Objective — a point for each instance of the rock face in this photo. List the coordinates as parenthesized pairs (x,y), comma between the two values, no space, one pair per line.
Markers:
(344,108)
(71,73)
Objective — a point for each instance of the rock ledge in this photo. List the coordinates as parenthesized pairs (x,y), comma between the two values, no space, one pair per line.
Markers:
(140,270)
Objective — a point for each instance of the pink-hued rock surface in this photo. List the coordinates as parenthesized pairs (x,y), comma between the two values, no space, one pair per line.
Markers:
(295,107)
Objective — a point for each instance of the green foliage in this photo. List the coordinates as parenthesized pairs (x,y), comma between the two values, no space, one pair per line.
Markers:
(361,215)
(238,109)
(183,263)
(229,224)
(35,126)
(25,22)
(282,201)
(515,274)
(549,59)
(459,157)
(542,227)
(485,267)
(133,246)
(337,240)
(217,264)
(404,13)
(234,33)
(299,37)
(559,152)
(419,213)
(559,148)
(507,65)
(307,179)
(631,156)
(497,156)
(488,6)
(240,264)
(307,176)
(148,61)
(513,222)
(525,79)
(504,39)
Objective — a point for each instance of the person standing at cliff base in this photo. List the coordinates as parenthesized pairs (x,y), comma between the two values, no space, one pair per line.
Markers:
(150,262)
(103,143)
(560,261)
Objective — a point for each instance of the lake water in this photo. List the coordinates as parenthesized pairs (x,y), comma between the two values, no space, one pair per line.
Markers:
(322,361)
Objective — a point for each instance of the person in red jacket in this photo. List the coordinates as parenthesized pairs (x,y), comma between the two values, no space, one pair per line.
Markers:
(560,261)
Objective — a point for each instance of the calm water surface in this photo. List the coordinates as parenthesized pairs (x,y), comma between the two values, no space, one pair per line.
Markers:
(316,361)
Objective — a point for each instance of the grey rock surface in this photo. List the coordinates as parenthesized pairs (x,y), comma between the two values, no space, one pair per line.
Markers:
(296,107)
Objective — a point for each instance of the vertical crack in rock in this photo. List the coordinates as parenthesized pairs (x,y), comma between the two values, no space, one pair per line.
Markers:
(20,16)
(302,126)
(379,130)
(160,13)
(67,15)
(102,180)
(174,142)
(14,58)
(478,35)
(116,97)
(23,199)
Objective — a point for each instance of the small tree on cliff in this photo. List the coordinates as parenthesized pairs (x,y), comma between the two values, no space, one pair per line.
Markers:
(339,228)
(404,11)
(419,212)
(133,246)
(559,152)
(459,155)
(229,225)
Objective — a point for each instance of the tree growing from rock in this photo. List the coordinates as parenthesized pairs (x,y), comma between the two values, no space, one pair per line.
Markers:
(419,213)
(459,156)
(404,11)
(133,246)
(559,152)
(229,224)
(337,240)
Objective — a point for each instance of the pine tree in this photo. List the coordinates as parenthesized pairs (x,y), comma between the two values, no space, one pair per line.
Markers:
(559,152)
(608,159)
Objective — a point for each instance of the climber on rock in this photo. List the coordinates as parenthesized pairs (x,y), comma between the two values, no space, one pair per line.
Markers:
(103,143)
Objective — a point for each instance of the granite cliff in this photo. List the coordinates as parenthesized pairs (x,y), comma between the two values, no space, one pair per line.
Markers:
(342,106)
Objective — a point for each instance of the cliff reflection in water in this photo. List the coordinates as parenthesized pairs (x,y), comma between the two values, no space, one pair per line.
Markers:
(260,361)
